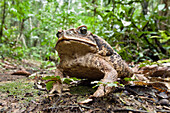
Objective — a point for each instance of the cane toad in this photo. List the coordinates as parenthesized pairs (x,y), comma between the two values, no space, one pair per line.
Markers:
(85,55)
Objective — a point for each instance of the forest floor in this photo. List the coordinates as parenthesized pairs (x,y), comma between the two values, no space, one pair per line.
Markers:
(23,90)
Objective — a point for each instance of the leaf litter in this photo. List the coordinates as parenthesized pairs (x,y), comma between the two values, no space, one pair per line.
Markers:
(20,93)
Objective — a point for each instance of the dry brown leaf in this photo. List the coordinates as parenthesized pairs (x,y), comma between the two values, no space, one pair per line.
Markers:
(21,72)
(86,101)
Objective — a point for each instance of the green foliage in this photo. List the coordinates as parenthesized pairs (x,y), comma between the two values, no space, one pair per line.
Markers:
(162,36)
(51,80)
(69,80)
(110,84)
(139,31)
(49,84)
(54,79)
(45,64)
(129,79)
(159,62)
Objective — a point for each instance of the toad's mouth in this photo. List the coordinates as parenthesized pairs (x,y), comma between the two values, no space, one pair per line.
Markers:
(80,40)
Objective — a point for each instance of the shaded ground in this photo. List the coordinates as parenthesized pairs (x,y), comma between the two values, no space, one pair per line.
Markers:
(20,93)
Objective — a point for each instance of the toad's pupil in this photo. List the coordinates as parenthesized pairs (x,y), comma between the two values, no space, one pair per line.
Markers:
(83,30)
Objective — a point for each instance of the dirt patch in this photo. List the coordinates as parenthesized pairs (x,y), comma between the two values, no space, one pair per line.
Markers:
(4,78)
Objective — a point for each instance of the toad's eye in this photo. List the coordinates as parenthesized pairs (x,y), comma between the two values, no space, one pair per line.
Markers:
(83,30)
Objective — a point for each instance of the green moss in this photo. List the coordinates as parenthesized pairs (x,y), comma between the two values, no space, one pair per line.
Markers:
(20,89)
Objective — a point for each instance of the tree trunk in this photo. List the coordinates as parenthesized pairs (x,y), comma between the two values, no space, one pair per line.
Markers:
(144,4)
(3,20)
(21,33)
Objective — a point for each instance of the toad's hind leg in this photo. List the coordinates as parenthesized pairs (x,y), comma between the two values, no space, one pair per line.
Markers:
(110,76)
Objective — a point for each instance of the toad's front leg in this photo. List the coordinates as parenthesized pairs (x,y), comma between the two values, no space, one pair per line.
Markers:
(110,76)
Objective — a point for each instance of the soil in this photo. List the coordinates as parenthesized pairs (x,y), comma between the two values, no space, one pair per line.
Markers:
(27,93)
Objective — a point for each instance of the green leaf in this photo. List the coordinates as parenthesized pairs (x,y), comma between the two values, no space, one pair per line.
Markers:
(67,80)
(75,79)
(49,85)
(127,79)
(95,82)
(95,86)
(57,77)
(116,82)
(164,61)
(155,37)
(126,23)
(30,15)
(54,78)
(47,78)
(112,85)
(122,85)
(161,7)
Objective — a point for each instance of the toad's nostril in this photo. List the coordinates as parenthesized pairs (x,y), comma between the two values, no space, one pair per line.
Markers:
(59,33)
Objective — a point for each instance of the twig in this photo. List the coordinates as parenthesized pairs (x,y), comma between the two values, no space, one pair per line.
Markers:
(121,110)
(165,24)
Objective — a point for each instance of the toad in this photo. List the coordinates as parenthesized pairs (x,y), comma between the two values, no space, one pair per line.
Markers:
(85,55)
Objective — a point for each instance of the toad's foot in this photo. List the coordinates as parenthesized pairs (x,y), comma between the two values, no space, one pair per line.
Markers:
(102,90)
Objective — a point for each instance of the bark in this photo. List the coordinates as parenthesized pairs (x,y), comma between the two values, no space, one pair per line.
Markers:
(113,2)
(21,28)
(144,4)
(94,3)
(3,20)
(21,32)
